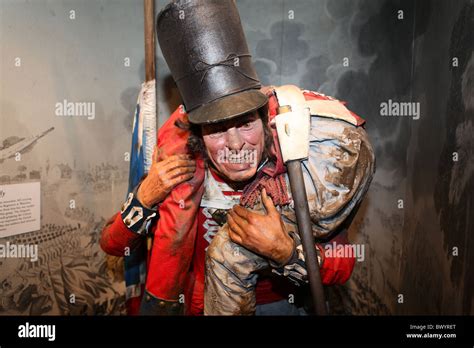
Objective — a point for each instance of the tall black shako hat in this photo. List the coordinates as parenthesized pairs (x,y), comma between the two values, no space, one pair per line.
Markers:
(204,45)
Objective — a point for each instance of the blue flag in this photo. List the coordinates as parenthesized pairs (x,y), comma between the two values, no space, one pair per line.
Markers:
(143,144)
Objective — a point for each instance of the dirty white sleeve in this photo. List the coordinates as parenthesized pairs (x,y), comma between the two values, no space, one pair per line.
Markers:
(337,173)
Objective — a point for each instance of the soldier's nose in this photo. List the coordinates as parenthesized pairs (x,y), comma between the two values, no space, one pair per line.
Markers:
(234,139)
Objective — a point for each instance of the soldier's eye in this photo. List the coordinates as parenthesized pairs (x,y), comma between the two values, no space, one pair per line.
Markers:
(216,134)
(247,125)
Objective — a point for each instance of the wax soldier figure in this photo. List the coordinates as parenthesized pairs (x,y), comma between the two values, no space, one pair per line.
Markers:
(217,199)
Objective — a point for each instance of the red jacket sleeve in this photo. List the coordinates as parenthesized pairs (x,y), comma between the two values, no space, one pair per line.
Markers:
(115,237)
(338,260)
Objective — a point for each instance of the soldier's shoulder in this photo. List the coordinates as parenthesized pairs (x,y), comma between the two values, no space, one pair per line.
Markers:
(320,105)
(328,107)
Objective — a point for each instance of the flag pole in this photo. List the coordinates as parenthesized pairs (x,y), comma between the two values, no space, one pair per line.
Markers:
(141,154)
(150,72)
(149,9)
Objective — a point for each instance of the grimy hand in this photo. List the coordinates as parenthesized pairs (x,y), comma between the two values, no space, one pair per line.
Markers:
(163,176)
(263,234)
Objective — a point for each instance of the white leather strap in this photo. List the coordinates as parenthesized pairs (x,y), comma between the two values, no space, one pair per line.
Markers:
(293,127)
(331,108)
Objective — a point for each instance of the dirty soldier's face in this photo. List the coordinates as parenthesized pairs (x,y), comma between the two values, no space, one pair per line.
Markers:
(235,147)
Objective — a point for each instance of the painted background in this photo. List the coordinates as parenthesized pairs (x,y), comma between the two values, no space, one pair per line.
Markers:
(422,251)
